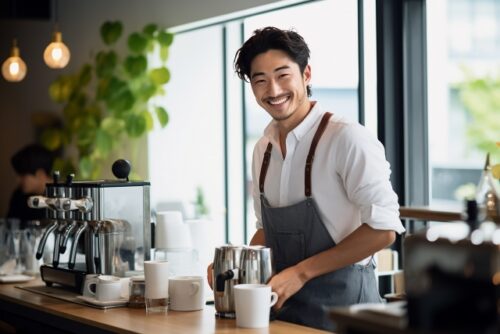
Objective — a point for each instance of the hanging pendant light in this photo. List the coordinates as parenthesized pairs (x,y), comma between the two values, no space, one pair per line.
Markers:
(56,54)
(14,68)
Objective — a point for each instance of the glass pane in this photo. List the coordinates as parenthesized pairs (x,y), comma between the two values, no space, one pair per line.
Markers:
(186,158)
(330,30)
(463,39)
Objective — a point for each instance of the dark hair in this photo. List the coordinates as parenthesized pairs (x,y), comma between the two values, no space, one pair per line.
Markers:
(31,158)
(271,38)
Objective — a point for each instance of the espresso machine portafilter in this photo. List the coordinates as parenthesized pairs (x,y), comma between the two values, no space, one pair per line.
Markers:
(107,221)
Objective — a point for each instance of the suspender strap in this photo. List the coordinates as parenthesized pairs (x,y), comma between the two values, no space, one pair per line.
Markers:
(263,169)
(312,149)
(309,161)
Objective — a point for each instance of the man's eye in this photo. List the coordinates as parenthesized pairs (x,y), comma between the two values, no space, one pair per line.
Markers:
(284,75)
(259,82)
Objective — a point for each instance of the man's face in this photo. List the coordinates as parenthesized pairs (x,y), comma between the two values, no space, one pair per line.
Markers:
(278,85)
(33,183)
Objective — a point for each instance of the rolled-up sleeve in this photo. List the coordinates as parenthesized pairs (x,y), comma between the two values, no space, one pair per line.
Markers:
(365,173)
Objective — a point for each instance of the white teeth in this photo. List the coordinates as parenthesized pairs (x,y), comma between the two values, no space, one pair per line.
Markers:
(279,101)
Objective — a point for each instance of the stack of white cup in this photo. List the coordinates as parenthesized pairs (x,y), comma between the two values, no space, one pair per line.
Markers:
(173,243)
(171,232)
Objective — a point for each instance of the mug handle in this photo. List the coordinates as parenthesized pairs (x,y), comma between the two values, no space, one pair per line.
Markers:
(92,281)
(195,286)
(274,298)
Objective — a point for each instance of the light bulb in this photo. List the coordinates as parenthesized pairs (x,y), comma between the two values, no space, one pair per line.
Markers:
(14,68)
(56,54)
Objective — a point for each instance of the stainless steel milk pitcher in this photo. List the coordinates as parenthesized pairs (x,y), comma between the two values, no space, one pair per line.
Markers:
(255,265)
(238,265)
(224,278)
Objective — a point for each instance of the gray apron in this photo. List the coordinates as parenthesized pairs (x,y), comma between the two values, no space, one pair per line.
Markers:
(295,233)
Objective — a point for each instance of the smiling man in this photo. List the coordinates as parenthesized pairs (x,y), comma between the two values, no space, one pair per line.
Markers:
(322,195)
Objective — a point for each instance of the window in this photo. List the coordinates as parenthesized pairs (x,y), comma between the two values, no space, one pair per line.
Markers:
(463,43)
(186,159)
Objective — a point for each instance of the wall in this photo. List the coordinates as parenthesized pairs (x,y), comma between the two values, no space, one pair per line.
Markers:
(22,103)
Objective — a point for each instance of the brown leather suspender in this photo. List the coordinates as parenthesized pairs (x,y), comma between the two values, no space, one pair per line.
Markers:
(265,164)
(312,150)
(309,160)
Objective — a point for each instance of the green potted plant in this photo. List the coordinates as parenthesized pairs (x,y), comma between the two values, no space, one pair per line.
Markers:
(481,98)
(108,101)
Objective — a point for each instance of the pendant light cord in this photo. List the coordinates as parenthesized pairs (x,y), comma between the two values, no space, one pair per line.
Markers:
(55,14)
(56,9)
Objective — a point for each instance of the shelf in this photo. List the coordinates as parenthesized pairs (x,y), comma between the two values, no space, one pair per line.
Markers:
(429,214)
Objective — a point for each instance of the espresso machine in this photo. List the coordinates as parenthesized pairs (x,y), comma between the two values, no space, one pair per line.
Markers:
(107,221)
(452,286)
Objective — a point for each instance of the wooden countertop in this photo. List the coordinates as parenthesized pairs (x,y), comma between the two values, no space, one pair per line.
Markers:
(126,320)
(349,321)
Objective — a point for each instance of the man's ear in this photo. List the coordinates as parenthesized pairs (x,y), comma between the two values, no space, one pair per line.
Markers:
(307,74)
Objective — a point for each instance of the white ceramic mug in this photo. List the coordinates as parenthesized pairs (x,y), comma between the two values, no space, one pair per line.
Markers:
(107,288)
(186,293)
(253,304)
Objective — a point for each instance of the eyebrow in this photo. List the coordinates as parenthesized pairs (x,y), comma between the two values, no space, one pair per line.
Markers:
(284,67)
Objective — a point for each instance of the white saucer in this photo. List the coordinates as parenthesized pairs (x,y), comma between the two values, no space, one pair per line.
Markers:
(93,301)
(15,278)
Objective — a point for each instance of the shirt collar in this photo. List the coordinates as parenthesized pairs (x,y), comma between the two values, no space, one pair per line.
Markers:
(272,133)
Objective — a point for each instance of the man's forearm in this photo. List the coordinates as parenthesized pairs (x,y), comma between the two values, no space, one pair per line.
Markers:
(258,238)
(361,243)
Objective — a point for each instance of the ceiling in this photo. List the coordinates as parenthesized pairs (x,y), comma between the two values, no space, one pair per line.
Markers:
(25,9)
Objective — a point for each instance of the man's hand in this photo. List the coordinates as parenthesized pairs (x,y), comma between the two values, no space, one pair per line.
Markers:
(360,244)
(287,283)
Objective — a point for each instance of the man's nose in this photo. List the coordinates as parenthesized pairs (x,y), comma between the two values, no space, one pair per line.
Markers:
(273,89)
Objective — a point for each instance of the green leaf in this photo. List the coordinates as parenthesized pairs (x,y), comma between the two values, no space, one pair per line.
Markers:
(64,166)
(137,43)
(103,91)
(121,102)
(111,32)
(148,119)
(164,53)
(162,116)
(146,91)
(150,30)
(105,63)
(135,125)
(103,142)
(85,167)
(160,75)
(112,126)
(116,94)
(136,65)
(165,38)
(51,139)
(61,89)
(85,75)
(85,130)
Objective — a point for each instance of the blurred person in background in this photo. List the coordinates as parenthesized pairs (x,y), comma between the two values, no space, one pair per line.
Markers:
(33,166)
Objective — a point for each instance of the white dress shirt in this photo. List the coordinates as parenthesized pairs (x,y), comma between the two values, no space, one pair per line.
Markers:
(349,179)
